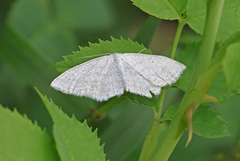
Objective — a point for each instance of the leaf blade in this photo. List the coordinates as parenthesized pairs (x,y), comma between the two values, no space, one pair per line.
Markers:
(188,57)
(144,101)
(229,23)
(103,47)
(206,122)
(74,140)
(231,66)
(30,142)
(164,9)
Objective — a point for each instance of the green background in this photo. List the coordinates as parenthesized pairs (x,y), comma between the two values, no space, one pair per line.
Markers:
(35,34)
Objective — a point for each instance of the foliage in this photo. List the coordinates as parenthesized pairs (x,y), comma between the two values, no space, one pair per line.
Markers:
(94,50)
(74,140)
(31,141)
(195,11)
(206,122)
(33,39)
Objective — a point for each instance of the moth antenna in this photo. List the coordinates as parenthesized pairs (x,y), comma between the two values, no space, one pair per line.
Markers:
(92,56)
(142,50)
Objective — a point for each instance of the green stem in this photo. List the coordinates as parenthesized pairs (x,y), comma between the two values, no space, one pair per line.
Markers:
(103,109)
(107,106)
(181,24)
(160,103)
(168,138)
(150,142)
(214,10)
(207,77)
(156,129)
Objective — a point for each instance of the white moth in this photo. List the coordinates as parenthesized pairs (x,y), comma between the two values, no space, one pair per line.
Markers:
(108,76)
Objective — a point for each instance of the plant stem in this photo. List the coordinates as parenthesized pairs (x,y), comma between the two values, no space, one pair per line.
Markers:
(103,109)
(107,106)
(168,138)
(160,104)
(150,142)
(214,10)
(181,24)
(156,129)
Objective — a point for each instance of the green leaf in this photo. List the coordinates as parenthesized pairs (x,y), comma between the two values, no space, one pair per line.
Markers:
(114,46)
(147,102)
(32,67)
(188,57)
(74,140)
(24,58)
(218,88)
(171,111)
(231,65)
(20,139)
(206,122)
(196,14)
(104,47)
(164,9)
(221,52)
(229,23)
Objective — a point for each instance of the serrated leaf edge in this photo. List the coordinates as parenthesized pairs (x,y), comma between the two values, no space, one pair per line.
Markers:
(83,50)
(94,133)
(222,123)
(25,117)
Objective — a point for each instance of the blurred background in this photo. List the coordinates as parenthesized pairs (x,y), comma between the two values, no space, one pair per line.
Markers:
(35,34)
